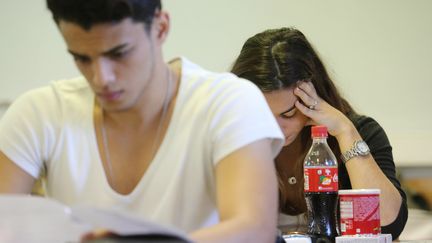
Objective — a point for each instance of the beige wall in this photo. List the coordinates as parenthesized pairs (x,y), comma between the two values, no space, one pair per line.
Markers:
(378,51)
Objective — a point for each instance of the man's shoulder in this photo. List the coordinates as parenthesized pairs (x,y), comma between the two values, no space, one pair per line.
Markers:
(71,90)
(61,86)
(197,76)
(56,94)
(72,85)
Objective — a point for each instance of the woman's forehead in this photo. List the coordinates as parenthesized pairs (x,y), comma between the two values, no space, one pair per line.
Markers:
(281,99)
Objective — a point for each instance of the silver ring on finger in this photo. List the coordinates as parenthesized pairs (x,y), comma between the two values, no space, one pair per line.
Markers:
(313,106)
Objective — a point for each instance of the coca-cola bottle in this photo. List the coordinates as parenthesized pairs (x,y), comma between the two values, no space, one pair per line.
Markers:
(321,188)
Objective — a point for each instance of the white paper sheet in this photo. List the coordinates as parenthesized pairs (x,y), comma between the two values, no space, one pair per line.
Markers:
(26,219)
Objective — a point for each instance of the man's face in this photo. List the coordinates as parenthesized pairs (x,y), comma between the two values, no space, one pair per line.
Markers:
(290,120)
(117,59)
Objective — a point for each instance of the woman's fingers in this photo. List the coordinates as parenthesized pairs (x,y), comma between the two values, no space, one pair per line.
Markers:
(305,109)
(319,111)
(306,92)
(308,87)
(306,100)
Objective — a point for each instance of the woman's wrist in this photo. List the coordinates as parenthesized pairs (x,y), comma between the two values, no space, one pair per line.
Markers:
(348,133)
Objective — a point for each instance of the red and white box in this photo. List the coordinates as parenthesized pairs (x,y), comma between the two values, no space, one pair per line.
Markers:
(359,212)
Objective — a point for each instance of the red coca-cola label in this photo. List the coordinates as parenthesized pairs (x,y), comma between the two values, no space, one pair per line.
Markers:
(359,214)
(321,179)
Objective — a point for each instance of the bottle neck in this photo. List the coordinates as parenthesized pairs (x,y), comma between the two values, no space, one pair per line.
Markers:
(319,139)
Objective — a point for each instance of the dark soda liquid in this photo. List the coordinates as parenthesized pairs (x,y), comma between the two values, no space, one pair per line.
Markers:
(323,225)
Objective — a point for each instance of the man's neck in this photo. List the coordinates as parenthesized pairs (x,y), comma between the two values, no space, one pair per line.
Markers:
(147,112)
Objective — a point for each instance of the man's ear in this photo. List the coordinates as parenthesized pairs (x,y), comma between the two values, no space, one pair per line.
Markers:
(161,26)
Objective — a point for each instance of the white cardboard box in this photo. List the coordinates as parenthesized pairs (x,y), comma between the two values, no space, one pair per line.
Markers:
(382,238)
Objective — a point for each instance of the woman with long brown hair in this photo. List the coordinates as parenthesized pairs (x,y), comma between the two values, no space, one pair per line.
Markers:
(300,93)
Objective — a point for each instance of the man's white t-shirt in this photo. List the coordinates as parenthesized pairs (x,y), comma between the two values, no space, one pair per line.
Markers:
(52,129)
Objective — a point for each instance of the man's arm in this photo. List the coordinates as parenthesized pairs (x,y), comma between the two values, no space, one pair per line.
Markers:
(246,197)
(12,178)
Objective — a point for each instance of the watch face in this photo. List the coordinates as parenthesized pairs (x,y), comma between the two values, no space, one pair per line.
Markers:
(362,147)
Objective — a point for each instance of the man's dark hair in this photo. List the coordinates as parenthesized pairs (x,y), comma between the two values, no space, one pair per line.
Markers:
(86,13)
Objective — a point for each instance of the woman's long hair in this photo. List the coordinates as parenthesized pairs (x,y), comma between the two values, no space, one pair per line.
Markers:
(276,59)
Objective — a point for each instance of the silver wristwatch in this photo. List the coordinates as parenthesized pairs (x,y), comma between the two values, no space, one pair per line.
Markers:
(360,148)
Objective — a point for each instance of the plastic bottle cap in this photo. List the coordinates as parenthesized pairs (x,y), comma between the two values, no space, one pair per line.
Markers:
(319,131)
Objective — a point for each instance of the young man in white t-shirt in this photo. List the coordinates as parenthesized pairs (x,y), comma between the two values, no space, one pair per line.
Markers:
(171,142)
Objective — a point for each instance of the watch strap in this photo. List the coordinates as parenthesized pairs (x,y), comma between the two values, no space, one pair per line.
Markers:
(354,151)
